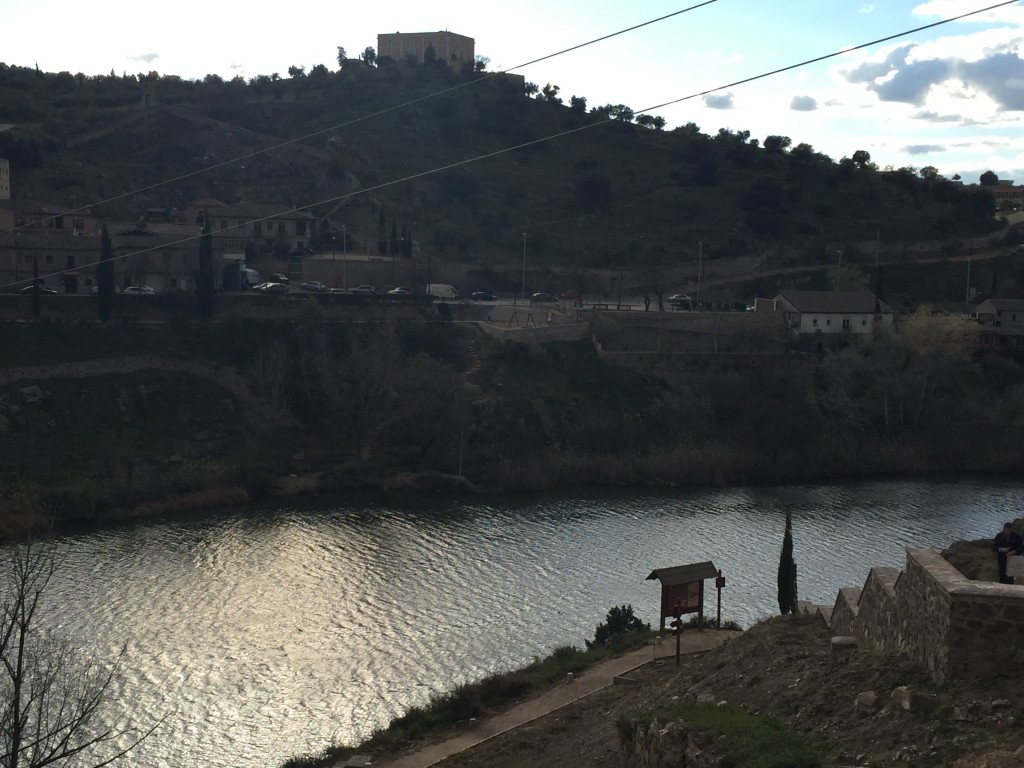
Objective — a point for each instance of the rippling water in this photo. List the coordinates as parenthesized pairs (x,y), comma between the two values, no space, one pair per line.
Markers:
(270,632)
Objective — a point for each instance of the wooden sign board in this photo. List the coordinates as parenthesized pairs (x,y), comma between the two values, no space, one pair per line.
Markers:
(688,594)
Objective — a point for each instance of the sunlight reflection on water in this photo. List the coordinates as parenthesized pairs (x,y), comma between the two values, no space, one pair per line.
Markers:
(265,633)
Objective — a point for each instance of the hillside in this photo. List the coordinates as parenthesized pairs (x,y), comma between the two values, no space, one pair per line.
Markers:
(558,185)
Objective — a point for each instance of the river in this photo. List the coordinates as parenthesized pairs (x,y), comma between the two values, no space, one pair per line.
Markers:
(271,631)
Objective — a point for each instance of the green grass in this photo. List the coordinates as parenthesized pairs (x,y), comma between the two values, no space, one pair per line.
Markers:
(743,740)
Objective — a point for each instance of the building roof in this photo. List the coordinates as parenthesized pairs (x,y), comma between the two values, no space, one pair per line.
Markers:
(1004,305)
(683,574)
(851,302)
(252,211)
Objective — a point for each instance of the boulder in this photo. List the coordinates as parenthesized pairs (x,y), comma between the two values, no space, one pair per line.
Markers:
(866,702)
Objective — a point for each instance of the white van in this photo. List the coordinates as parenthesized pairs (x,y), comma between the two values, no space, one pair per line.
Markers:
(443,292)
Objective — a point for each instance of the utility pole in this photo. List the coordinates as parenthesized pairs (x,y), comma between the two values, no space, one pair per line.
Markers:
(700,269)
(524,266)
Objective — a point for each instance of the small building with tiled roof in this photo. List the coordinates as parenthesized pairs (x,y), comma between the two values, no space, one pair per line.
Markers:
(1001,321)
(811,313)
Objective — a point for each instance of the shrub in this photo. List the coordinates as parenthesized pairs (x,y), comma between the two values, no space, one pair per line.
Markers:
(619,621)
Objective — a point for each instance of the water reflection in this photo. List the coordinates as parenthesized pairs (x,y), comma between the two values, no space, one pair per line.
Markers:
(272,631)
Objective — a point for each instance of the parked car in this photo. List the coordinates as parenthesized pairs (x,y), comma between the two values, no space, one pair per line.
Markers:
(679,300)
(542,298)
(271,288)
(364,290)
(570,295)
(42,289)
(138,290)
(314,285)
(483,296)
(277,277)
(399,292)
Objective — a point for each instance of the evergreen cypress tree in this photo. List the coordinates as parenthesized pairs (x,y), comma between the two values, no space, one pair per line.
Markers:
(204,284)
(105,277)
(382,241)
(787,570)
(393,243)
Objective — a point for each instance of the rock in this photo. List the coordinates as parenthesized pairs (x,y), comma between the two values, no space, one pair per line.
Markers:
(966,713)
(706,698)
(1000,703)
(32,394)
(176,459)
(866,701)
(913,701)
(844,643)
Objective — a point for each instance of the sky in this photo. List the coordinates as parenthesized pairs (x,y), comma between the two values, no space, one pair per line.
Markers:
(950,97)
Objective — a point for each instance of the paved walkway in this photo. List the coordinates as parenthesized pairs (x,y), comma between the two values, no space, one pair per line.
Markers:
(594,679)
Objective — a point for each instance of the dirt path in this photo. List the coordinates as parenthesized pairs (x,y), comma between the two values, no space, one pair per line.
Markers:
(594,679)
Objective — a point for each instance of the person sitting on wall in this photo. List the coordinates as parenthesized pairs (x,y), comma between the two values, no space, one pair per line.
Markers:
(1007,542)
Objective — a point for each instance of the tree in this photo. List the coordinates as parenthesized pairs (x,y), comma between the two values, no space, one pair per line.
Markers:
(51,697)
(342,56)
(369,56)
(531,89)
(988,179)
(480,63)
(105,277)
(430,56)
(577,104)
(861,158)
(393,241)
(619,621)
(549,93)
(776,144)
(204,280)
(296,72)
(382,241)
(787,570)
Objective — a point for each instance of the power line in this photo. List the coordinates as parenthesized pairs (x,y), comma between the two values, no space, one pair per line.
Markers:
(561,134)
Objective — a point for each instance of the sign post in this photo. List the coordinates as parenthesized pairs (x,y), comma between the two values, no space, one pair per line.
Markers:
(677,626)
(719,584)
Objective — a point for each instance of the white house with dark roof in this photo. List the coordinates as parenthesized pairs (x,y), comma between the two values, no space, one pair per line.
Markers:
(1001,321)
(833,312)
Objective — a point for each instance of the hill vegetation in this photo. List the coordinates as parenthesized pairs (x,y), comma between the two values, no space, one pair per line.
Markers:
(477,168)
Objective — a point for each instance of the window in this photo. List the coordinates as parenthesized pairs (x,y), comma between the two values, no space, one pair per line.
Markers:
(223,223)
(280,228)
(28,259)
(828,321)
(71,261)
(49,258)
(300,227)
(58,222)
(270,226)
(863,322)
(174,283)
(846,324)
(814,321)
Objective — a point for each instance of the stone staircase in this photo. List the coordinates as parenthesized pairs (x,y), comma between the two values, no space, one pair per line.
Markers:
(955,627)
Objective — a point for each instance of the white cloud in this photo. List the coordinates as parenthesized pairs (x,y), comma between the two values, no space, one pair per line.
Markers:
(803,104)
(867,8)
(718,101)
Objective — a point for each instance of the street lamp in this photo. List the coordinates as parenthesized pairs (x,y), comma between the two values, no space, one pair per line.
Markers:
(524,266)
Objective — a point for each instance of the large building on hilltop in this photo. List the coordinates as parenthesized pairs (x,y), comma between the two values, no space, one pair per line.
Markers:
(454,50)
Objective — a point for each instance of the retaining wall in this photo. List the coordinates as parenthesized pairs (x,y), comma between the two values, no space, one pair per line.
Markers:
(956,627)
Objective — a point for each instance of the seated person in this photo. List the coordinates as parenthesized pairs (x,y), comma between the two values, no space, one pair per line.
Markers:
(1008,542)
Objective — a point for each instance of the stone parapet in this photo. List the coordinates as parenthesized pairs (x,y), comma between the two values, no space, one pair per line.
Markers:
(844,611)
(876,610)
(957,628)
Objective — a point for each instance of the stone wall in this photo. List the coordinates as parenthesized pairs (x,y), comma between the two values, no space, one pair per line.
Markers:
(876,611)
(956,627)
(844,611)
